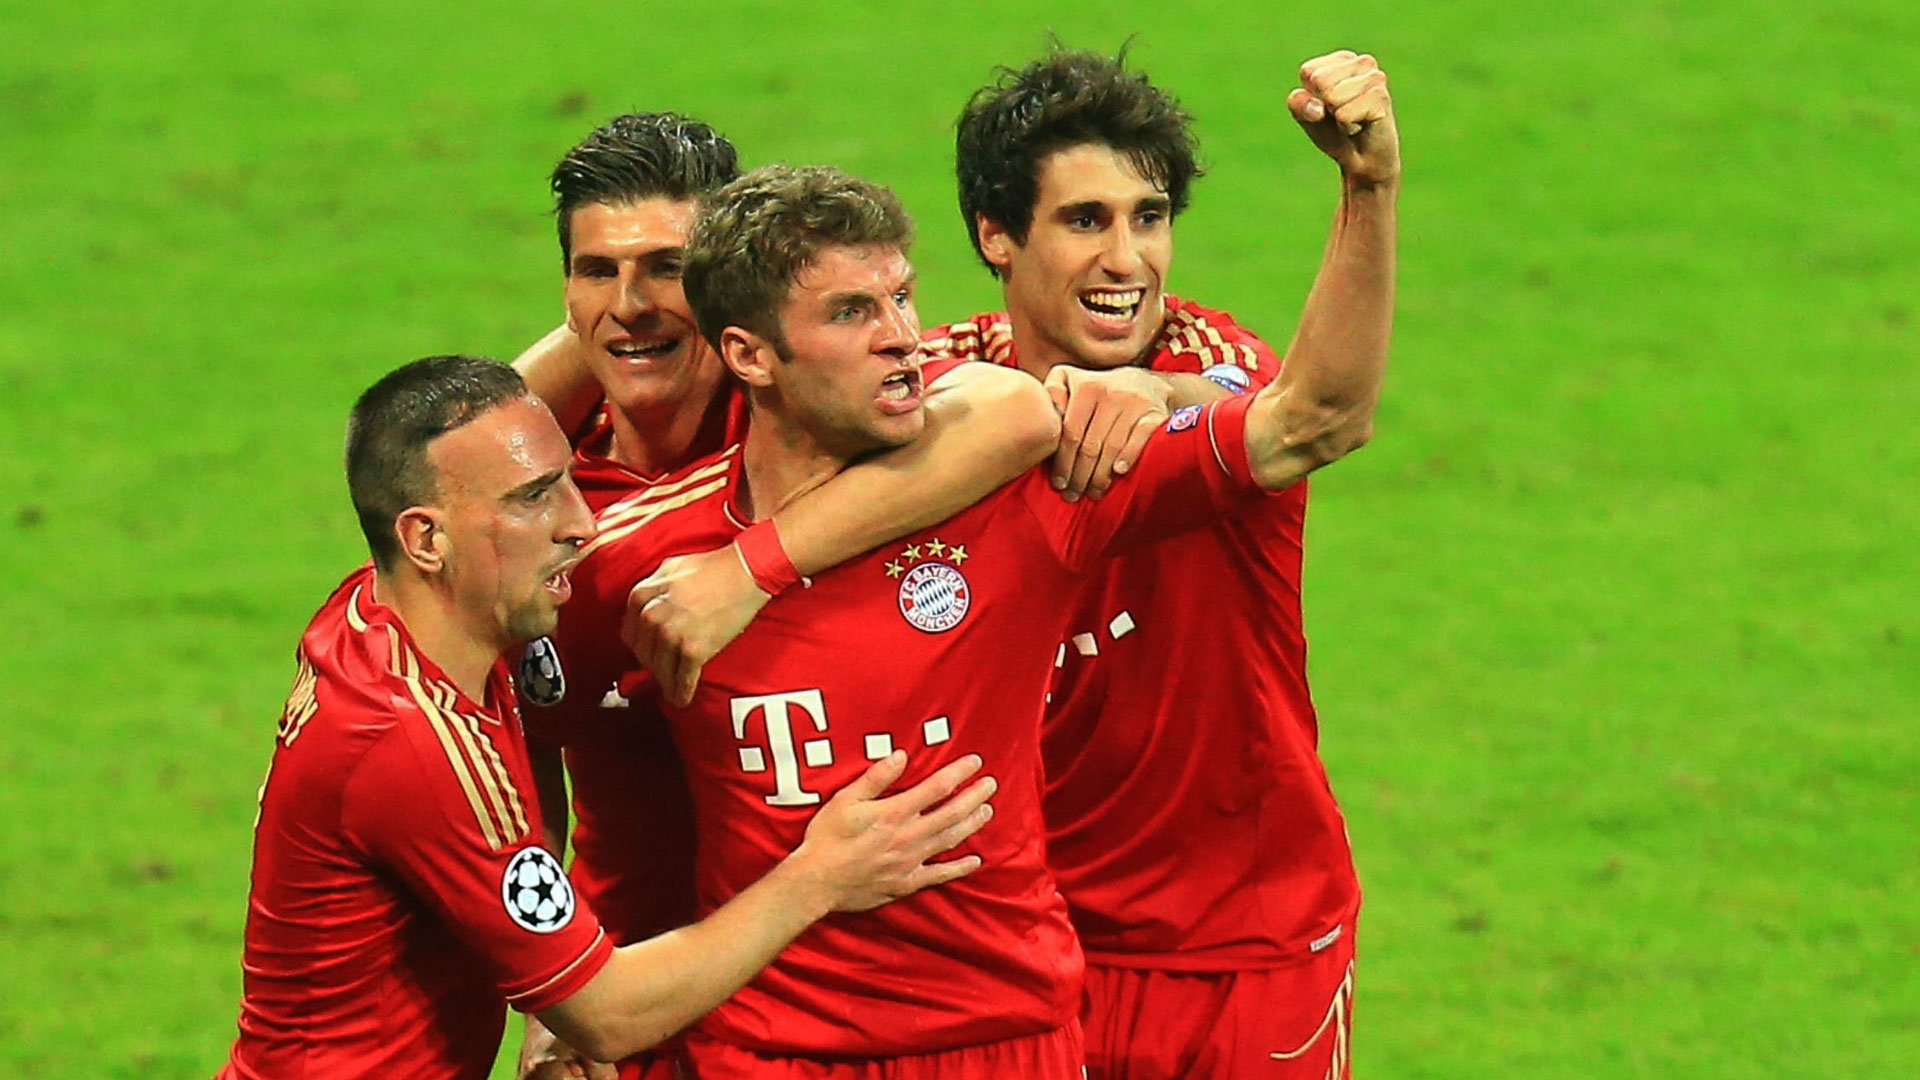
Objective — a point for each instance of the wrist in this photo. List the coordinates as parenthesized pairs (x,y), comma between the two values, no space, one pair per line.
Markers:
(766,558)
(804,888)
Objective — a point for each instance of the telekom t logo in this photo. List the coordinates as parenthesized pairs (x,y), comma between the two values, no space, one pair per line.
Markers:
(783,732)
(778,720)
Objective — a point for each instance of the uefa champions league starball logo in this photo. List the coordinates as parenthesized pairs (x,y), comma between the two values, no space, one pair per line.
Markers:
(537,893)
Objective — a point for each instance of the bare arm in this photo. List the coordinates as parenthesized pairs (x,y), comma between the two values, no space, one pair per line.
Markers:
(558,375)
(985,425)
(861,850)
(1321,406)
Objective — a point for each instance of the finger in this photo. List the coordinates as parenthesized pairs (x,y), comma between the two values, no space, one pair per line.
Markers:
(1057,391)
(1113,447)
(957,833)
(879,777)
(954,820)
(1081,409)
(1331,65)
(1093,447)
(600,1070)
(1306,108)
(940,873)
(687,682)
(1143,430)
(938,786)
(1365,108)
(663,656)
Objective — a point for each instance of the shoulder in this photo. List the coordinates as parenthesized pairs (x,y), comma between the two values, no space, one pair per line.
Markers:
(1205,341)
(690,498)
(986,337)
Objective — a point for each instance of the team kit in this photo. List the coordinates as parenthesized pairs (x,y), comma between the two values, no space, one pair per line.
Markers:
(915,701)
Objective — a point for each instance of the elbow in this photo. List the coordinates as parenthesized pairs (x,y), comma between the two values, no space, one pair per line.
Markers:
(1313,440)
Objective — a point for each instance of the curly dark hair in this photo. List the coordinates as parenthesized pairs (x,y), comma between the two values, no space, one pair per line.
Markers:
(639,156)
(755,235)
(1061,100)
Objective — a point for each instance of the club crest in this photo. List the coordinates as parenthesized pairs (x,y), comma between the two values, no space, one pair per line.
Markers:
(934,593)
(542,680)
(1184,418)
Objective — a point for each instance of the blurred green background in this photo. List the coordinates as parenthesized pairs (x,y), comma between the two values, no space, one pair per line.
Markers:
(1614,625)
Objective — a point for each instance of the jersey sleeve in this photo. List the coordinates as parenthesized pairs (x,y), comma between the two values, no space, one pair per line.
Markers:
(432,804)
(1191,472)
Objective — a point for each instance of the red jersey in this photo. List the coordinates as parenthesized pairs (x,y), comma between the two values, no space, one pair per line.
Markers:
(399,889)
(939,645)
(633,818)
(1191,825)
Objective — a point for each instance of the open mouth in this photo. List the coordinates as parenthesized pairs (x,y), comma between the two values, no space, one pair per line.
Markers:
(643,350)
(1117,304)
(901,388)
(559,584)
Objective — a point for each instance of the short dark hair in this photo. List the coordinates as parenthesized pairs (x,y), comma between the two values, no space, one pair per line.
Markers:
(1061,100)
(638,156)
(391,426)
(754,236)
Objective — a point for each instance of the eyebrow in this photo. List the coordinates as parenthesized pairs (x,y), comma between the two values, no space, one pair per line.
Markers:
(545,480)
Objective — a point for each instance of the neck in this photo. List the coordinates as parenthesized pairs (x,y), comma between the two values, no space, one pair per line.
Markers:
(781,462)
(653,441)
(435,626)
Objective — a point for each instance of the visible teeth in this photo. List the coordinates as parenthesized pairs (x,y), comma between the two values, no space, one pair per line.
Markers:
(634,348)
(1116,303)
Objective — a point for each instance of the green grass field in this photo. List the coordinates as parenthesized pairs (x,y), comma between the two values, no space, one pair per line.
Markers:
(1614,625)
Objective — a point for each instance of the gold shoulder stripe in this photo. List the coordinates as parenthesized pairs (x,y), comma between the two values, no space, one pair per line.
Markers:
(482,776)
(634,521)
(653,492)
(354,622)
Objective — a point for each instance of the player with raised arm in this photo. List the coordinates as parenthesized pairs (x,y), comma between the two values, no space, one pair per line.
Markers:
(624,198)
(800,280)
(1192,827)
(1231,956)
(401,895)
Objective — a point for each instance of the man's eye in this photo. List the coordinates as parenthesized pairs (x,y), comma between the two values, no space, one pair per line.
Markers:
(668,269)
(1151,218)
(903,297)
(1081,221)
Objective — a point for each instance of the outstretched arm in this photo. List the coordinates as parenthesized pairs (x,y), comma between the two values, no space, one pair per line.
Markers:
(861,850)
(985,425)
(1320,407)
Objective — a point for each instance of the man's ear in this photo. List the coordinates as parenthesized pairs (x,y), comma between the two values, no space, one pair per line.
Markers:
(423,539)
(748,355)
(996,243)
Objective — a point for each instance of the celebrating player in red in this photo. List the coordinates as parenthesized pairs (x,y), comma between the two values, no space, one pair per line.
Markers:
(1192,828)
(799,278)
(624,199)
(400,892)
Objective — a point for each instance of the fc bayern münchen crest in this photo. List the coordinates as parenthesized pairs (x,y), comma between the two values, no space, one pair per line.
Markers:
(542,679)
(536,891)
(934,597)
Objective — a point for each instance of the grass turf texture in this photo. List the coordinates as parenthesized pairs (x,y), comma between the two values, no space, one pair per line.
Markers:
(1614,633)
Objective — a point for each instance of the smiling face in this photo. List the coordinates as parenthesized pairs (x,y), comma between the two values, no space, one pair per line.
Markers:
(512,520)
(1085,288)
(849,373)
(626,304)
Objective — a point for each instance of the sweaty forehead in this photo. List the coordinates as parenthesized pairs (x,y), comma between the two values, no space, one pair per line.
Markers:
(506,446)
(1092,172)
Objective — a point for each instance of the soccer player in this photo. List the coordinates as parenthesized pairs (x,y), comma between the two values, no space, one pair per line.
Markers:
(1192,828)
(400,891)
(624,199)
(946,642)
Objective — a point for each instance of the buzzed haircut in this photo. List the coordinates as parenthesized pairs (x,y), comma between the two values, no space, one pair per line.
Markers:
(638,156)
(754,236)
(391,426)
(1062,100)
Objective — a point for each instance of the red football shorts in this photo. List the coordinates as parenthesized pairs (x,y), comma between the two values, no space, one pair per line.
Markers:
(1291,1023)
(1052,1055)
